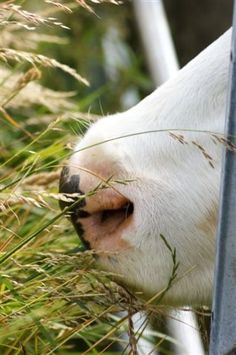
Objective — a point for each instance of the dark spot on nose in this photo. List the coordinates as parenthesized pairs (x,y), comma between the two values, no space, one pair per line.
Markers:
(69,184)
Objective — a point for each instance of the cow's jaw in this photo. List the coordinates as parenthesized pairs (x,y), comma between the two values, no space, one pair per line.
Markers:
(170,183)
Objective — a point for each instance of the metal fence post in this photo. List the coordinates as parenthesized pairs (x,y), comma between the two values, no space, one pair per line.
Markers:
(223,331)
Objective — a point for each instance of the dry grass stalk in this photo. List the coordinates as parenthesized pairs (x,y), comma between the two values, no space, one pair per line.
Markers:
(18,199)
(226,142)
(178,137)
(33,18)
(7,54)
(23,81)
(13,122)
(205,154)
(19,39)
(132,338)
(33,94)
(37,198)
(114,2)
(84,3)
(181,139)
(42,179)
(31,75)
(59,5)
(67,116)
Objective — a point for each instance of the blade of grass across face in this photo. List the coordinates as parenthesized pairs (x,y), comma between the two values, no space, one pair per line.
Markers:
(68,154)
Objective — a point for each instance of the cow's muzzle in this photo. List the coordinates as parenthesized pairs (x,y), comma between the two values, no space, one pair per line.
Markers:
(100,218)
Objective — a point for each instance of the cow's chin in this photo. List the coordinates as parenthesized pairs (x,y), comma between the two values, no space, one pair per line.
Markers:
(121,268)
(140,273)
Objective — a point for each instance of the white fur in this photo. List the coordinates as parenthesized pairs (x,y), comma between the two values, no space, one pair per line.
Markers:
(175,192)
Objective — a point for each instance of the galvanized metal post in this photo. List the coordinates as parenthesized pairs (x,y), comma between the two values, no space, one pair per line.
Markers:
(223,333)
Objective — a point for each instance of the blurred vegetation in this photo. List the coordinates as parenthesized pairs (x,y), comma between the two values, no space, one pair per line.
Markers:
(103,47)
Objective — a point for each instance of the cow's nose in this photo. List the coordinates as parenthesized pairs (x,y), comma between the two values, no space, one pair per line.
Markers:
(101,218)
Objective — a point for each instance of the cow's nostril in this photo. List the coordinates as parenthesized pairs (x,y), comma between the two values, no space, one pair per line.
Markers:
(129,209)
(83,214)
(122,213)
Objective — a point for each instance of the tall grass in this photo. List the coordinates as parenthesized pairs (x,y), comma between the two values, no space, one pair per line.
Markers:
(52,300)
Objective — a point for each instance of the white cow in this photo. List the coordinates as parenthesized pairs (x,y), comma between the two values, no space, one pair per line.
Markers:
(165,150)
